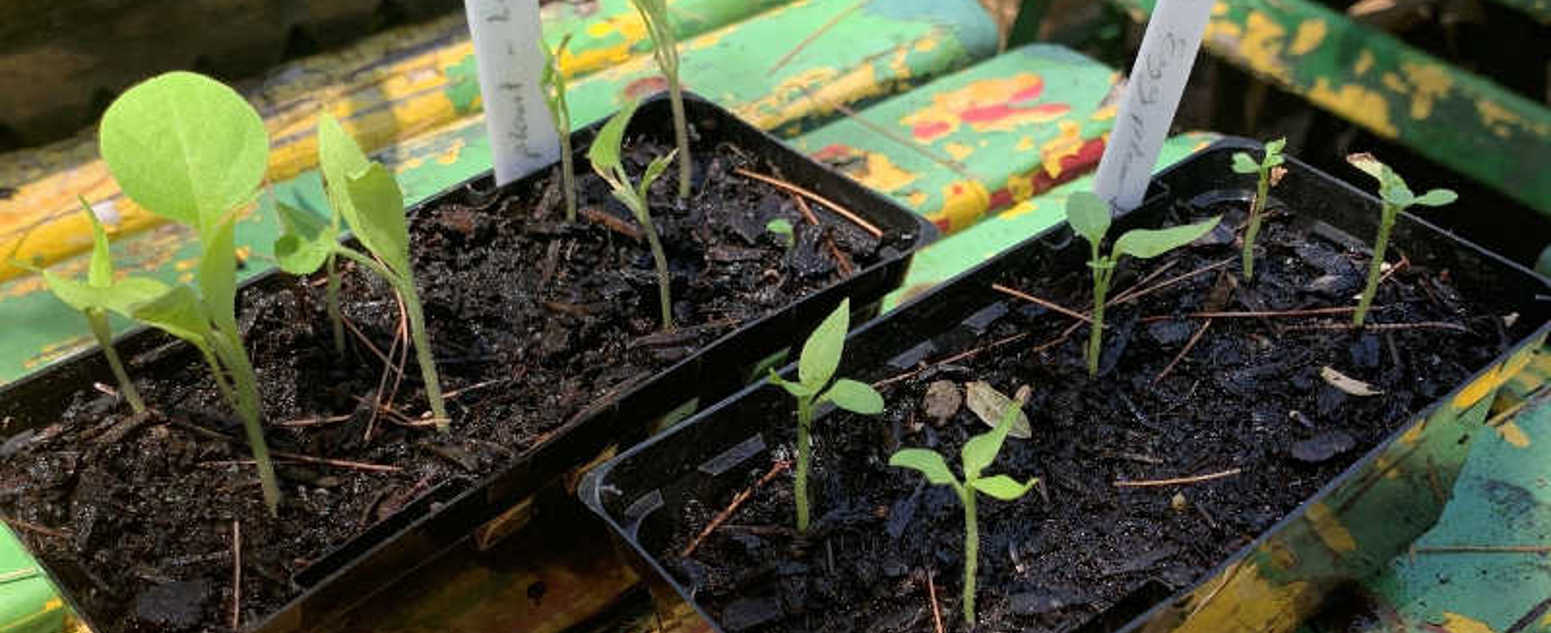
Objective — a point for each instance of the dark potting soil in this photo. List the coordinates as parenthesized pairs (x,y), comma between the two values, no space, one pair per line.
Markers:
(532,320)
(1248,401)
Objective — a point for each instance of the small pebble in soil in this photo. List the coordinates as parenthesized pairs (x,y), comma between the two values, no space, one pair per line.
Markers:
(1322,447)
(942,400)
(173,604)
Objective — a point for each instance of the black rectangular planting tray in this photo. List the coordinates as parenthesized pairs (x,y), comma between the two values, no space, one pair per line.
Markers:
(448,513)
(1331,508)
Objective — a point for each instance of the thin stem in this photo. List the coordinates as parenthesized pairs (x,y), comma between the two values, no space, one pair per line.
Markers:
(333,308)
(1256,208)
(406,288)
(567,173)
(222,383)
(644,216)
(1375,267)
(1096,331)
(229,349)
(971,553)
(98,321)
(680,130)
(804,455)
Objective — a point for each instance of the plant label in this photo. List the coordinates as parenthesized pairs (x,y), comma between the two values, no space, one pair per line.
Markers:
(1151,97)
(522,137)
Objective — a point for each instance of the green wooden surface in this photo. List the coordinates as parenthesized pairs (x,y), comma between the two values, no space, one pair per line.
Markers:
(1457,118)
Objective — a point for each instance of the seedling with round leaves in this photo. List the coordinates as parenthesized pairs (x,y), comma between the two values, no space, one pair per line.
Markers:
(1396,197)
(1268,170)
(814,387)
(665,49)
(784,231)
(605,158)
(1089,217)
(975,456)
(192,150)
(366,196)
(553,82)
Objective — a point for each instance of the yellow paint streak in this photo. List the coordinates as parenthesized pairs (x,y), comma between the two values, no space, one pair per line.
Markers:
(926,45)
(1223,33)
(1310,33)
(788,101)
(1021,209)
(964,203)
(1329,528)
(1502,120)
(1220,8)
(450,156)
(1019,187)
(1067,143)
(1364,62)
(917,198)
(1240,598)
(1024,144)
(1513,434)
(1105,113)
(883,175)
(1456,623)
(959,151)
(1262,45)
(1431,81)
(947,106)
(1356,103)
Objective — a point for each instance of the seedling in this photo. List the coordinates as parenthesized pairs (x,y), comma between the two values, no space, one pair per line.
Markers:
(820,358)
(192,150)
(977,454)
(100,295)
(665,48)
(1089,217)
(1396,197)
(552,79)
(782,228)
(365,194)
(605,158)
(1243,164)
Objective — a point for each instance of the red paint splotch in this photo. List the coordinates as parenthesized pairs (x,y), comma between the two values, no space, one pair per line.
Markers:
(645,86)
(997,112)
(931,130)
(1028,94)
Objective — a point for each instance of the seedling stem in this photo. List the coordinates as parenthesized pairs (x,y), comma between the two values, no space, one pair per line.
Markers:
(1396,197)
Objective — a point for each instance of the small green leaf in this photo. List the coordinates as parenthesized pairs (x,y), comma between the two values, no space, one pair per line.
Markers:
(780,226)
(795,388)
(378,216)
(306,242)
(981,449)
(185,147)
(855,396)
(1369,165)
(1399,196)
(1273,161)
(1436,198)
(100,274)
(1146,243)
(338,157)
(1243,164)
(1274,148)
(653,170)
(176,312)
(929,463)
(1003,487)
(821,352)
(1088,215)
(120,297)
(217,273)
(605,150)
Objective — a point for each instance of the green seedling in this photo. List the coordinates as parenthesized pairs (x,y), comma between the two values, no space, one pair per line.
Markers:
(1243,164)
(552,80)
(820,358)
(605,158)
(782,228)
(366,196)
(1396,197)
(192,150)
(977,454)
(1089,217)
(666,49)
(101,294)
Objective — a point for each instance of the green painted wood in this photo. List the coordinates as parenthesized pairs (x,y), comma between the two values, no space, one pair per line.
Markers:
(28,603)
(1540,10)
(980,140)
(1456,118)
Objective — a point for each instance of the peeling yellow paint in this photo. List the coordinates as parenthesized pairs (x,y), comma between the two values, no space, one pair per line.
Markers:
(964,203)
(184,278)
(882,174)
(1310,33)
(1329,528)
(958,151)
(1262,45)
(1220,8)
(788,101)
(1499,119)
(1105,113)
(1431,81)
(1456,623)
(926,45)
(1364,62)
(1245,600)
(1225,33)
(944,115)
(185,265)
(1513,434)
(1067,143)
(1023,208)
(1025,144)
(1356,103)
(917,198)
(450,156)
(1019,187)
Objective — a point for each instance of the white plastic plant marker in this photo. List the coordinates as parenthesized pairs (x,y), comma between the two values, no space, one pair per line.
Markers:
(1150,99)
(522,137)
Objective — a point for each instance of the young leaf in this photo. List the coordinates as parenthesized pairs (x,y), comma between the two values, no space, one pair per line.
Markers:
(100,274)
(821,353)
(1003,487)
(338,157)
(306,243)
(855,396)
(1274,160)
(653,170)
(217,273)
(928,462)
(1436,198)
(376,216)
(795,388)
(176,312)
(185,147)
(1146,243)
(1369,165)
(1088,215)
(1243,164)
(981,449)
(604,152)
(1274,148)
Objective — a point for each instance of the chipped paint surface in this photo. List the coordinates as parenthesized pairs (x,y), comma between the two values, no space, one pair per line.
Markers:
(1329,528)
(1310,33)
